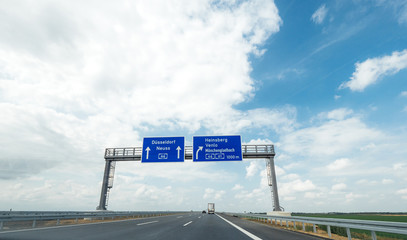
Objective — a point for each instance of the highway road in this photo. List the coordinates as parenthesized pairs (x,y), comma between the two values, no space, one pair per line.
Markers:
(195,226)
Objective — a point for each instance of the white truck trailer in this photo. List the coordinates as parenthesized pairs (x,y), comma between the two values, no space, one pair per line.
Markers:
(211,208)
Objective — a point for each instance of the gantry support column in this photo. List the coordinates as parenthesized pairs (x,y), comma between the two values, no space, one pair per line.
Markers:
(105,184)
(272,180)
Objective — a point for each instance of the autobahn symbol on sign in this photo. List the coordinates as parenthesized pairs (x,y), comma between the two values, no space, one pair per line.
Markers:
(163,149)
(217,148)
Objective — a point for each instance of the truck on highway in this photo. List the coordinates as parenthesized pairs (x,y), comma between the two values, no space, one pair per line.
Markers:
(211,208)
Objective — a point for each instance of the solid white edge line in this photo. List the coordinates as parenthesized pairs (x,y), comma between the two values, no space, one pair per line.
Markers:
(62,226)
(146,223)
(252,236)
(74,225)
(187,223)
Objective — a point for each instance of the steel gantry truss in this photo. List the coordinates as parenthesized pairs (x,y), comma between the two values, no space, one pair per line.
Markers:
(113,155)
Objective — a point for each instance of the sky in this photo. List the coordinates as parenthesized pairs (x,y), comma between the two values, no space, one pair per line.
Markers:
(324,81)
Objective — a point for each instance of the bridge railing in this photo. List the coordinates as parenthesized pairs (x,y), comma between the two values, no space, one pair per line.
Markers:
(258,149)
(373,226)
(120,152)
(135,152)
(8,217)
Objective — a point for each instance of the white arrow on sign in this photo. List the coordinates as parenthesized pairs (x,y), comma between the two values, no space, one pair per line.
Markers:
(200,149)
(147,150)
(178,149)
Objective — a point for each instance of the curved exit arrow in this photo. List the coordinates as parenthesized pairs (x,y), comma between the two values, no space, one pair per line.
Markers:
(200,149)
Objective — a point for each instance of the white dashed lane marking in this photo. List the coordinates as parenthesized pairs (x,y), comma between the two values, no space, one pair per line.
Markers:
(186,224)
(146,223)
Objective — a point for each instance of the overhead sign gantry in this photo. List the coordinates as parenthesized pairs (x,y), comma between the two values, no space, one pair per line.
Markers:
(205,148)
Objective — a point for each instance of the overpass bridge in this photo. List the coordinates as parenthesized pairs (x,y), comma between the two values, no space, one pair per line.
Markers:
(113,155)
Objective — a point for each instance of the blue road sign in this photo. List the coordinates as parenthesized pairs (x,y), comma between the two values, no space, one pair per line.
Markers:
(217,148)
(163,149)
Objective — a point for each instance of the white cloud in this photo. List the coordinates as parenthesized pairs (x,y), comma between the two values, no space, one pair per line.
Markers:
(259,195)
(402,191)
(310,195)
(336,114)
(399,7)
(353,196)
(400,166)
(81,76)
(147,195)
(179,172)
(278,119)
(208,193)
(50,192)
(211,194)
(290,177)
(339,164)
(403,14)
(367,182)
(369,146)
(319,15)
(338,187)
(253,168)
(237,187)
(259,142)
(254,196)
(373,107)
(279,171)
(288,72)
(289,188)
(338,132)
(387,181)
(362,181)
(289,198)
(371,70)
(403,94)
(77,84)
(399,169)
(219,195)
(292,165)
(169,58)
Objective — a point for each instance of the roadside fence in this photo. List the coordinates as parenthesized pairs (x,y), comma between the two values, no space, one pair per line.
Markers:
(348,224)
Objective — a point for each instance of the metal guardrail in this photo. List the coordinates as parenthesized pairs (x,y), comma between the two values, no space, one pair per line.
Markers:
(134,153)
(34,216)
(373,226)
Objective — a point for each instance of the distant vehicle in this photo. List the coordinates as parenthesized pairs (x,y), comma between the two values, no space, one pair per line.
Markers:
(203,211)
(211,208)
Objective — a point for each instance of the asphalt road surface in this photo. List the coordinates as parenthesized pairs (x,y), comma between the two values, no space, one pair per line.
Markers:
(195,226)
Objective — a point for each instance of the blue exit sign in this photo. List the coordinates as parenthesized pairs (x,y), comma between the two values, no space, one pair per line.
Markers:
(163,149)
(217,148)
